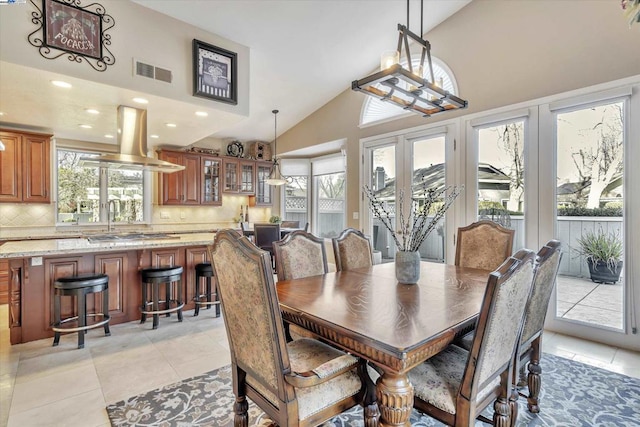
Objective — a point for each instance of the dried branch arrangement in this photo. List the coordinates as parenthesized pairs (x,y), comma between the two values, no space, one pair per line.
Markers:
(417,225)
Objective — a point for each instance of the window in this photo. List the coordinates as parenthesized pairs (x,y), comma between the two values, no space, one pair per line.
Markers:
(89,195)
(329,190)
(375,110)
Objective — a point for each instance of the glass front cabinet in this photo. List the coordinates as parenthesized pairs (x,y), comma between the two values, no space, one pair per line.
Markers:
(211,179)
(264,191)
(239,176)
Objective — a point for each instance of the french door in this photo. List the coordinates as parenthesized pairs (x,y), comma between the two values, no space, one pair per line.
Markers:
(405,163)
(588,145)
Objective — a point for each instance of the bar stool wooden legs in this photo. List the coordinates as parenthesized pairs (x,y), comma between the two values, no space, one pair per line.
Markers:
(80,286)
(154,277)
(204,270)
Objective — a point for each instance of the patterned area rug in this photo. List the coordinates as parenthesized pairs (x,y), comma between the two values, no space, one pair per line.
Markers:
(573,394)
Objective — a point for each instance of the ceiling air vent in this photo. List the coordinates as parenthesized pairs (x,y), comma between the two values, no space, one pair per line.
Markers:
(152,72)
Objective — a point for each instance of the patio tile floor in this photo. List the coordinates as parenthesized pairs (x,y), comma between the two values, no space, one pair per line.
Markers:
(582,300)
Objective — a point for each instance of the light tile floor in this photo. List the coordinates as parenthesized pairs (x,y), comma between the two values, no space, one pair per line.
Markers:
(42,385)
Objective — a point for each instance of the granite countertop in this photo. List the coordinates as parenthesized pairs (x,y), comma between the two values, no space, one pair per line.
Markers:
(30,248)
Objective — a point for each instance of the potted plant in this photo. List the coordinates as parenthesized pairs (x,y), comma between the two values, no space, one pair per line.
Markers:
(603,252)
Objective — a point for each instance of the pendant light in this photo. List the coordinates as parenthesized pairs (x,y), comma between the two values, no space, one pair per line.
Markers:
(406,88)
(275,175)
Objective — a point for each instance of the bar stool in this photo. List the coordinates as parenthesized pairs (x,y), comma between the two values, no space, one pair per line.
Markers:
(154,277)
(204,270)
(80,286)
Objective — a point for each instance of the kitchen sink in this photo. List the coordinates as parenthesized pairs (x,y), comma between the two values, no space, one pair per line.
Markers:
(129,237)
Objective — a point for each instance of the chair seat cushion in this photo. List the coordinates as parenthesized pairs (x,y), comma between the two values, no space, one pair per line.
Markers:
(437,380)
(308,354)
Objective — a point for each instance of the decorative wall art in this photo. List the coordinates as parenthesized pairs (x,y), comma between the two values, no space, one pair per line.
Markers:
(65,28)
(214,73)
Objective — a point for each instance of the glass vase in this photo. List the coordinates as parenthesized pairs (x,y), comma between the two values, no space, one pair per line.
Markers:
(407,267)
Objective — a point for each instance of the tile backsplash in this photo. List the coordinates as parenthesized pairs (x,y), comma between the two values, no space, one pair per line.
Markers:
(22,220)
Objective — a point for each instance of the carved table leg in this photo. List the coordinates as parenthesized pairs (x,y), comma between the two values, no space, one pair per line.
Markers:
(395,399)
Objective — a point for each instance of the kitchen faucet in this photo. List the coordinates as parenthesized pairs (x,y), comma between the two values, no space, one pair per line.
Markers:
(109,214)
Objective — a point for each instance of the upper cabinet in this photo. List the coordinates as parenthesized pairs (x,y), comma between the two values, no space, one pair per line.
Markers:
(182,187)
(25,167)
(211,179)
(239,176)
(264,192)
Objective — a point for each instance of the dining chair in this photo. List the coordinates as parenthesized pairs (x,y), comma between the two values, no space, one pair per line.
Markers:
(299,254)
(483,244)
(264,235)
(456,385)
(246,230)
(352,249)
(546,267)
(301,383)
(290,224)
(546,271)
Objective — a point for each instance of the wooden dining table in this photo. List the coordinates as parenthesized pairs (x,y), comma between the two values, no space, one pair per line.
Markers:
(393,326)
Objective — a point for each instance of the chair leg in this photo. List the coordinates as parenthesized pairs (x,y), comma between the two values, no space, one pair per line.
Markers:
(534,380)
(105,311)
(143,316)
(217,298)
(502,412)
(167,296)
(513,406)
(241,408)
(179,298)
(197,296)
(534,386)
(56,319)
(208,291)
(155,304)
(369,400)
(82,318)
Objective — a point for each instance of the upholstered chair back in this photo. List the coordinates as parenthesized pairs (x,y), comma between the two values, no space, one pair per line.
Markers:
(302,383)
(546,270)
(251,312)
(500,322)
(290,224)
(352,249)
(300,254)
(483,244)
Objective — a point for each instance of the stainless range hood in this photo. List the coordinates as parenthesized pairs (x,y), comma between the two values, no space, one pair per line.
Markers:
(132,146)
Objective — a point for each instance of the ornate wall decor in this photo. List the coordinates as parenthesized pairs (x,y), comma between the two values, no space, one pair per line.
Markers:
(202,150)
(79,32)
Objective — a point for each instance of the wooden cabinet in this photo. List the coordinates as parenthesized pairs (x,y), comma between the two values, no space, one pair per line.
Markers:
(25,167)
(264,191)
(211,180)
(182,187)
(239,176)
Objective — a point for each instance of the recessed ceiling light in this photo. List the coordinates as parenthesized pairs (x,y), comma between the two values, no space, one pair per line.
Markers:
(60,83)
(140,100)
(108,136)
(92,111)
(171,125)
(1,113)
(154,136)
(85,126)
(202,113)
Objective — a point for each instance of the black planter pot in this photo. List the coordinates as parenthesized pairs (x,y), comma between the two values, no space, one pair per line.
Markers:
(601,273)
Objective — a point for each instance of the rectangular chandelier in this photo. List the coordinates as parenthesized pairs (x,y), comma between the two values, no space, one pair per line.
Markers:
(406,89)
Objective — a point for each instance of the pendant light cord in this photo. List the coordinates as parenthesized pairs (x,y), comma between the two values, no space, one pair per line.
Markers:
(275,132)
(421,17)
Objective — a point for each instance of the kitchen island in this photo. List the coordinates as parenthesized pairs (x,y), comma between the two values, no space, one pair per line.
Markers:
(34,265)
